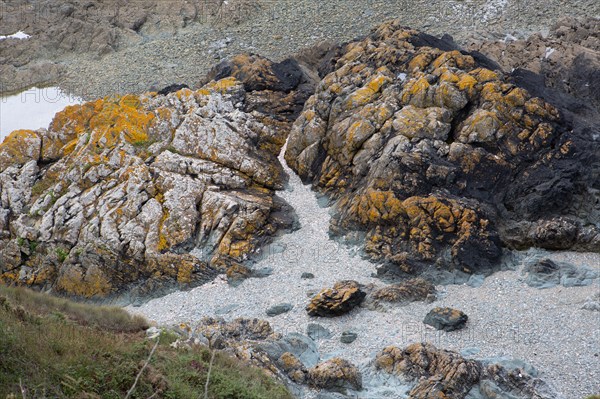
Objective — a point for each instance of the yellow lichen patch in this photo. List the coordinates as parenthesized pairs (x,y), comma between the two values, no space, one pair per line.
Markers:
(420,62)
(87,284)
(484,75)
(185,271)
(415,88)
(222,86)
(366,94)
(163,244)
(466,82)
(516,97)
(453,59)
(376,206)
(19,147)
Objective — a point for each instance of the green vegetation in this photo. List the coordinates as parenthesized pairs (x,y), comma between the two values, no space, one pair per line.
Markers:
(61,254)
(55,348)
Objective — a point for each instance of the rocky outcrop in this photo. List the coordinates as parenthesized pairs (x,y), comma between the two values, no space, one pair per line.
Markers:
(438,373)
(446,319)
(335,374)
(545,273)
(433,156)
(116,192)
(336,301)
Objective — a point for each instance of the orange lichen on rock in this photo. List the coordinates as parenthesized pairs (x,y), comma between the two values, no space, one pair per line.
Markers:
(19,147)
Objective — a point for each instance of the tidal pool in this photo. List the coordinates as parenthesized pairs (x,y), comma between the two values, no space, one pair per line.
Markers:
(33,108)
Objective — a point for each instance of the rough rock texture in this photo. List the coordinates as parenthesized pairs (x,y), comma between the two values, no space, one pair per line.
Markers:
(336,301)
(446,319)
(568,57)
(438,373)
(116,192)
(545,274)
(432,156)
(335,373)
(412,290)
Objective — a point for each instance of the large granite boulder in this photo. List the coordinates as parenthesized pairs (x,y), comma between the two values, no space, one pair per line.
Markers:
(433,155)
(117,192)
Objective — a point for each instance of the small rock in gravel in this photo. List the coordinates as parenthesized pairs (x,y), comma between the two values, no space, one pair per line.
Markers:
(317,331)
(348,337)
(307,275)
(412,290)
(446,319)
(281,308)
(336,301)
(226,309)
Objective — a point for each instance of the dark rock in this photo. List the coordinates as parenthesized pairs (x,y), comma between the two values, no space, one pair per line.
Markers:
(307,275)
(172,89)
(336,301)
(348,337)
(281,308)
(559,233)
(446,319)
(334,374)
(317,331)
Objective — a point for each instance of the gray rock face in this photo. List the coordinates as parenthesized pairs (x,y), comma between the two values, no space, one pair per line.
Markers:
(117,192)
(317,331)
(446,319)
(546,274)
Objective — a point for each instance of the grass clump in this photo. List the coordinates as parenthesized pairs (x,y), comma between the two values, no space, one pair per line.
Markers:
(55,348)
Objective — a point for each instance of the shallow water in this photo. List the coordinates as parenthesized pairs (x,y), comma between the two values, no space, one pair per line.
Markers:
(33,108)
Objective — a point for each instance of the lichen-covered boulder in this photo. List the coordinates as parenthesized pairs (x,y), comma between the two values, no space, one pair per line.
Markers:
(432,155)
(117,192)
(416,289)
(336,301)
(335,374)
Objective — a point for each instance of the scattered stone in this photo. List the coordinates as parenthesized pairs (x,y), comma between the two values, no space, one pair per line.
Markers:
(335,374)
(336,301)
(446,319)
(412,290)
(348,337)
(276,310)
(307,275)
(317,331)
